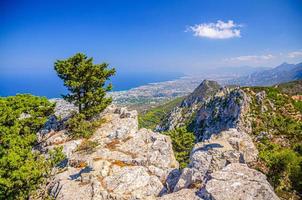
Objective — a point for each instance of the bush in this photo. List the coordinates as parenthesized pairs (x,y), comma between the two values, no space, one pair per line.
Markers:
(78,127)
(87,146)
(21,168)
(56,156)
(182,142)
(284,165)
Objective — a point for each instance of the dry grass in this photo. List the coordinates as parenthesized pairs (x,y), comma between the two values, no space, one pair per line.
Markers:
(87,146)
(97,159)
(121,163)
(112,145)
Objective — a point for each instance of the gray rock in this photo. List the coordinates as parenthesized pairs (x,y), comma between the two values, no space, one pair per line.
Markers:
(212,155)
(63,109)
(180,114)
(236,182)
(225,111)
(185,194)
(127,164)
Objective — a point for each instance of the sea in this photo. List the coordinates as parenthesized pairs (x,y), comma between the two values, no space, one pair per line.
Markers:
(51,86)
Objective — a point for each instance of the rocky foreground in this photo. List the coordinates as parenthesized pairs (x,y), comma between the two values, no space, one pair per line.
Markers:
(132,163)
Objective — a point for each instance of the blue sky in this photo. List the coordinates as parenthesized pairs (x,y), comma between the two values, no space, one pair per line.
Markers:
(139,35)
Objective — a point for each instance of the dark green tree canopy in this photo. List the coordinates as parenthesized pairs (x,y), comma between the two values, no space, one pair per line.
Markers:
(21,168)
(86,83)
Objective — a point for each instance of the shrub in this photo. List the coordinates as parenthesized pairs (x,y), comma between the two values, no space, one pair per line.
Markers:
(21,168)
(284,165)
(56,156)
(87,146)
(182,142)
(78,127)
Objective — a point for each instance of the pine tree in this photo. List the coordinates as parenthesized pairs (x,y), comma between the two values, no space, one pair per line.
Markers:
(86,82)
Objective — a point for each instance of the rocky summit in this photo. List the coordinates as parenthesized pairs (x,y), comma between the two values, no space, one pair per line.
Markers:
(130,163)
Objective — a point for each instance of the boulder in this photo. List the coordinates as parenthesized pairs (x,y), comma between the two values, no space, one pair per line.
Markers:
(185,194)
(212,155)
(236,182)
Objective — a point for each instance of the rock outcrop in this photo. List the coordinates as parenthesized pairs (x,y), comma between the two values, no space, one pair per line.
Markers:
(127,163)
(181,114)
(131,163)
(237,181)
(226,110)
(214,154)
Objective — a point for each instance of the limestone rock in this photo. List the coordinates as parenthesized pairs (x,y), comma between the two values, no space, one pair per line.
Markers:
(126,164)
(225,111)
(237,181)
(180,114)
(185,194)
(212,155)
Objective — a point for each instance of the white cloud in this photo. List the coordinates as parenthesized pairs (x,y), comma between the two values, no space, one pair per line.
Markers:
(251,58)
(218,30)
(295,54)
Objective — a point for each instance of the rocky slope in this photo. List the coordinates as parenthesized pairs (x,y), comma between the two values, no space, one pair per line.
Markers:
(130,163)
(264,119)
(182,114)
(126,163)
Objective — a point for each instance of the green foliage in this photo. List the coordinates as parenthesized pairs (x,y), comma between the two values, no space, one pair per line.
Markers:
(291,88)
(182,142)
(21,168)
(281,154)
(78,127)
(154,116)
(86,82)
(56,156)
(298,105)
(87,146)
(285,167)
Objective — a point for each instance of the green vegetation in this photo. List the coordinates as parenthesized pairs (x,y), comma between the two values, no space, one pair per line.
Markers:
(280,149)
(182,142)
(86,83)
(87,146)
(182,138)
(78,127)
(21,168)
(291,88)
(152,117)
(284,168)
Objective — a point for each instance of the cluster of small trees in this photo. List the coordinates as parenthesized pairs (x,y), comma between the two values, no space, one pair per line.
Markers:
(182,142)
(21,168)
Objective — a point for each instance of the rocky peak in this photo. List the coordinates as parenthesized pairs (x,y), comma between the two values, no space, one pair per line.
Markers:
(181,114)
(226,110)
(203,92)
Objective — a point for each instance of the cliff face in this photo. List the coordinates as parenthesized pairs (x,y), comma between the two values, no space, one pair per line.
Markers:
(226,110)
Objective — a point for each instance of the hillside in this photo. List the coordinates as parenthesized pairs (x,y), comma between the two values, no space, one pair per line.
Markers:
(216,143)
(271,116)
